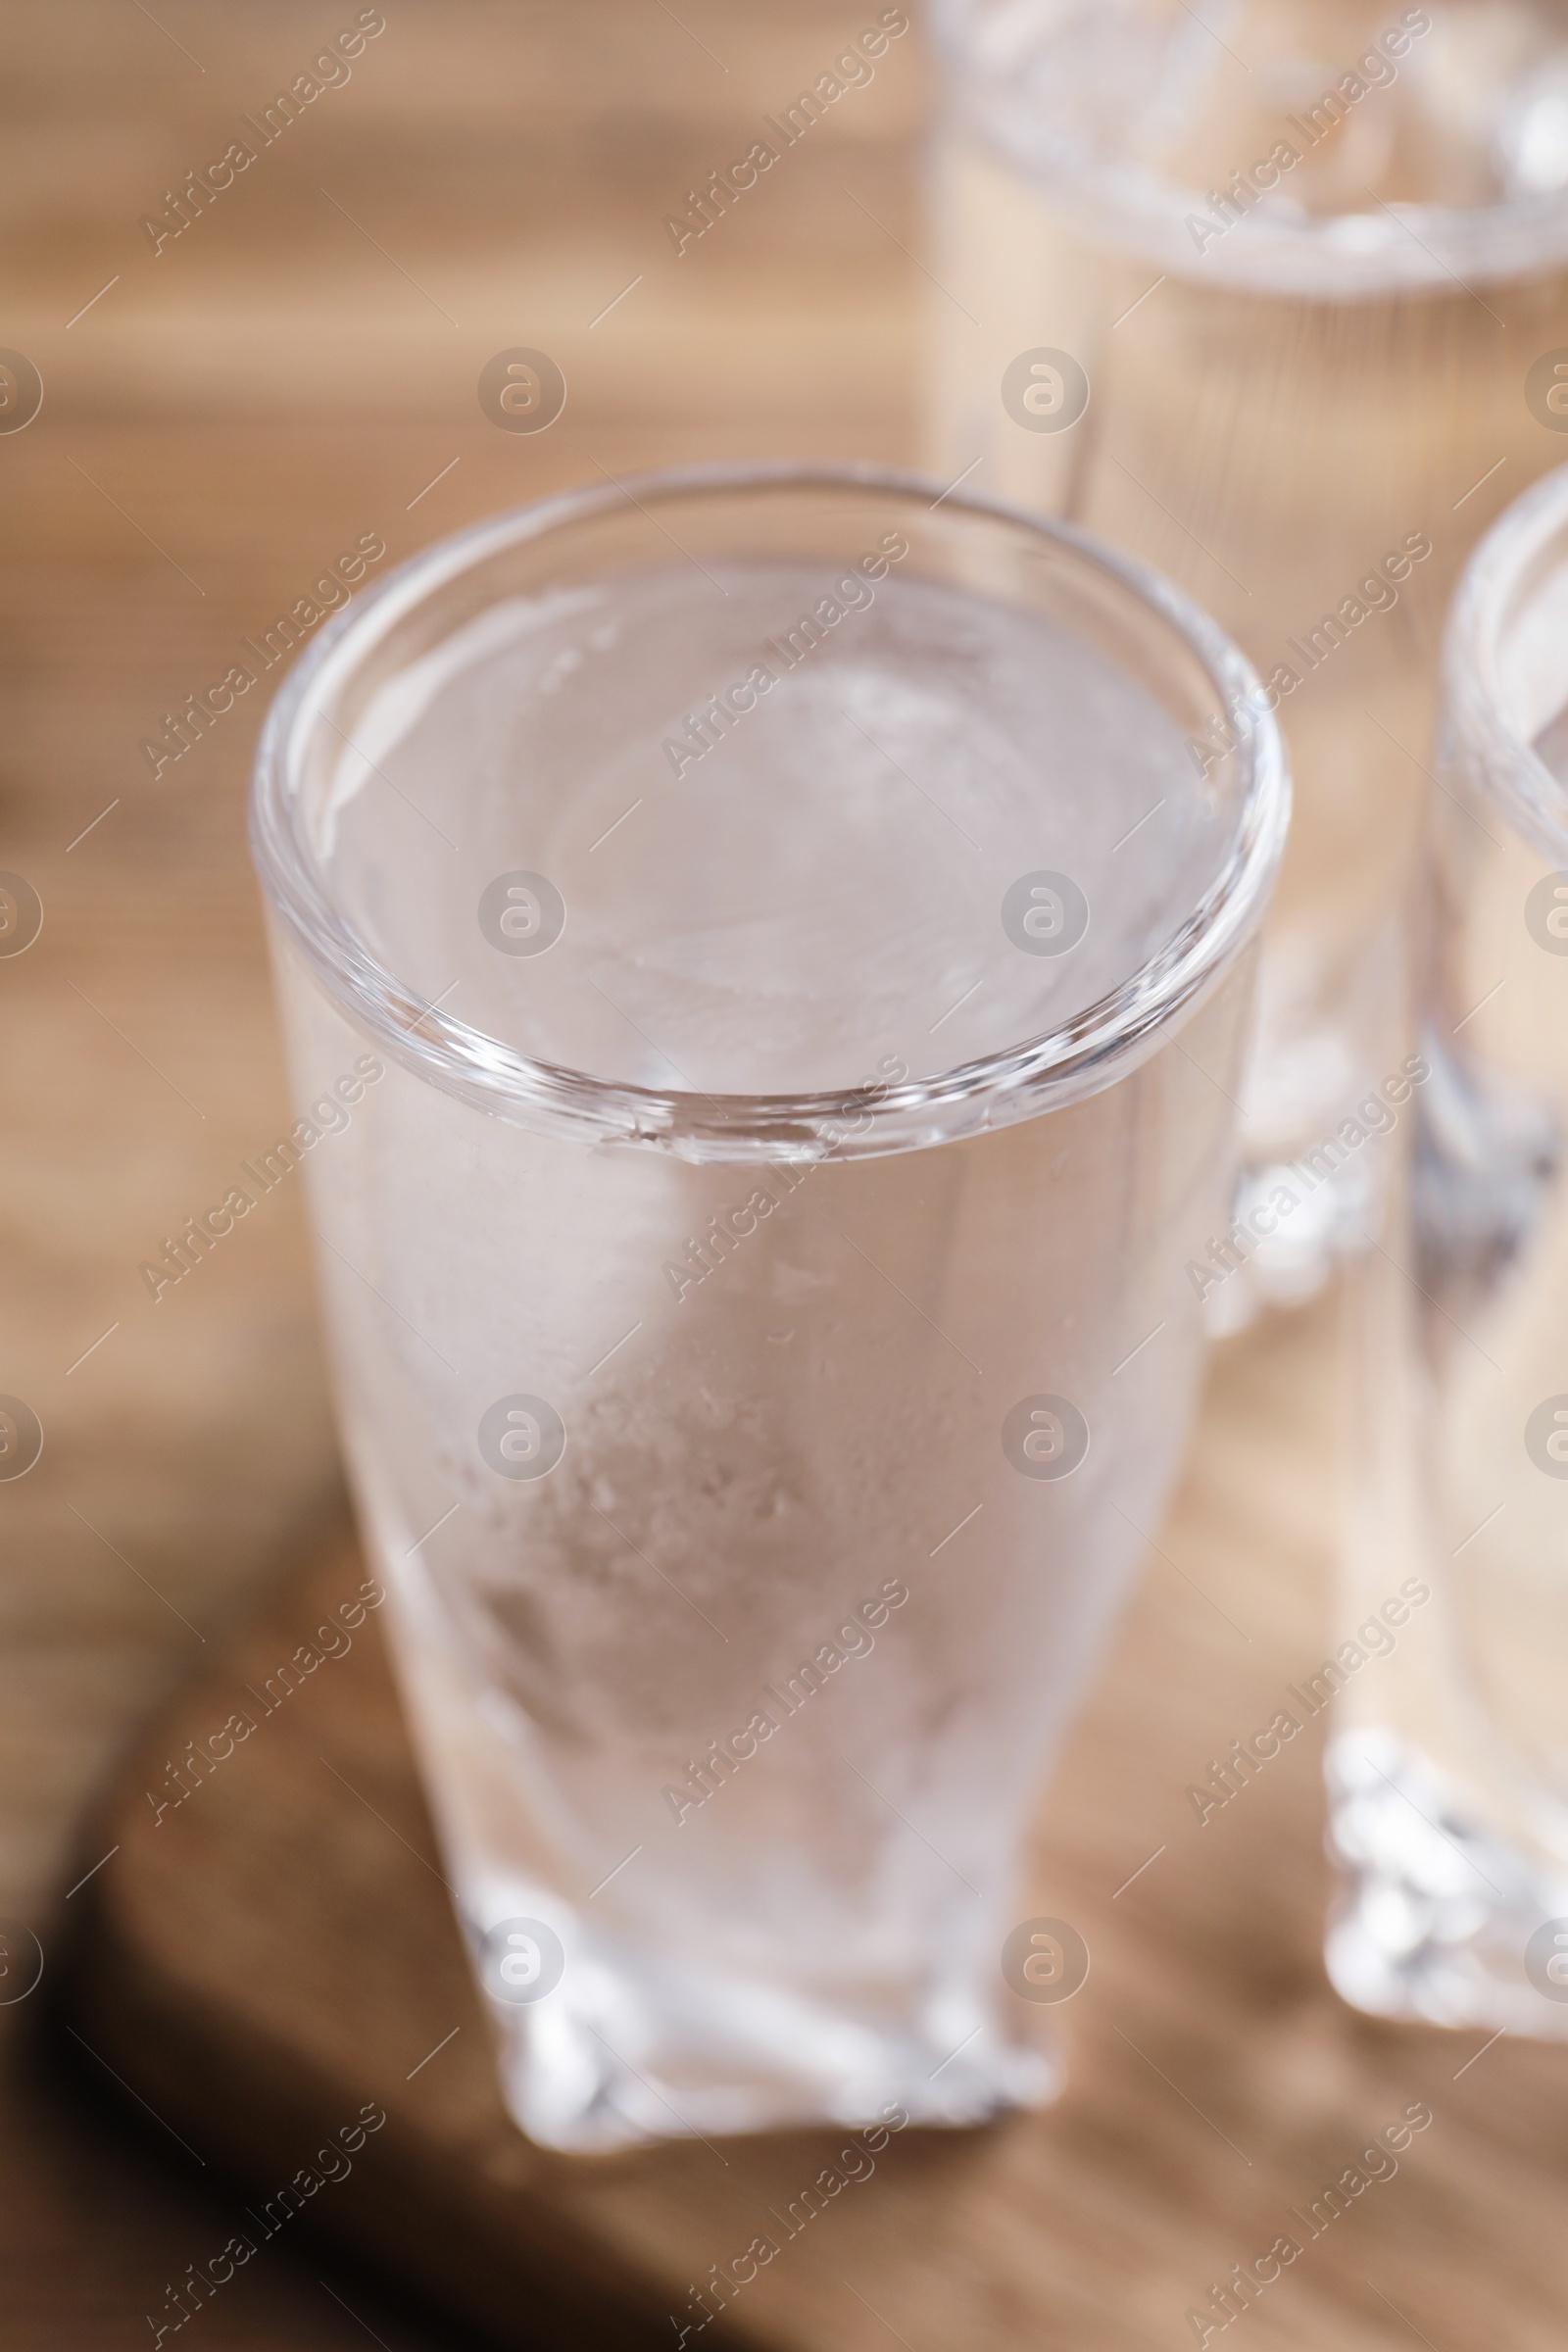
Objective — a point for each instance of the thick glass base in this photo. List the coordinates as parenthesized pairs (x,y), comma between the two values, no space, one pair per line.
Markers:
(1290,1232)
(1440,1919)
(622,2053)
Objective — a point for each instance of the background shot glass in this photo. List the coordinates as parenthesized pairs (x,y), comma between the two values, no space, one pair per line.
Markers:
(791,980)
(1449,1772)
(1282,307)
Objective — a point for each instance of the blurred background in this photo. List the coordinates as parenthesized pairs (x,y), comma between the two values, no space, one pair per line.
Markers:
(226,411)
(297,367)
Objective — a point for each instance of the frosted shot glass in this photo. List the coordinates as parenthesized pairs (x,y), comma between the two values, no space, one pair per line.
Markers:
(1449,1767)
(1278,301)
(790,979)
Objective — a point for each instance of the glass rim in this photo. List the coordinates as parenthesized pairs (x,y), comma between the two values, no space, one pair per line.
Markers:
(1485,736)
(1274,248)
(1060,1065)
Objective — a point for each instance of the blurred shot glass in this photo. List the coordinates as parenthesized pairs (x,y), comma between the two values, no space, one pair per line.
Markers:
(767,985)
(1449,1766)
(1277,297)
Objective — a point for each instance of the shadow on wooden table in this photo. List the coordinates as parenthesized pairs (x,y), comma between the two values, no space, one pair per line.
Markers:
(273,1966)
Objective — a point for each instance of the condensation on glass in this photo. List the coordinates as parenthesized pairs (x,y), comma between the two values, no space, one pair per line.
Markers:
(1277,297)
(1449,1767)
(791,984)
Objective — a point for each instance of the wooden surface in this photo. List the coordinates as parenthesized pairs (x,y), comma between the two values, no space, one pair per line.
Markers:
(228,416)
(223,417)
(277,1954)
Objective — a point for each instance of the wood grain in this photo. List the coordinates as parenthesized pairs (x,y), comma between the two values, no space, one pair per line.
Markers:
(278,1953)
(222,418)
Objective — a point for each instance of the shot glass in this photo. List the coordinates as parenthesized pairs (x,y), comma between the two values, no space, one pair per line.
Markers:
(1449,1766)
(765,984)
(1279,300)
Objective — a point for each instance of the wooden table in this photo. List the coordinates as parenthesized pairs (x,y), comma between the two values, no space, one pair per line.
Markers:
(279,1956)
(220,418)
